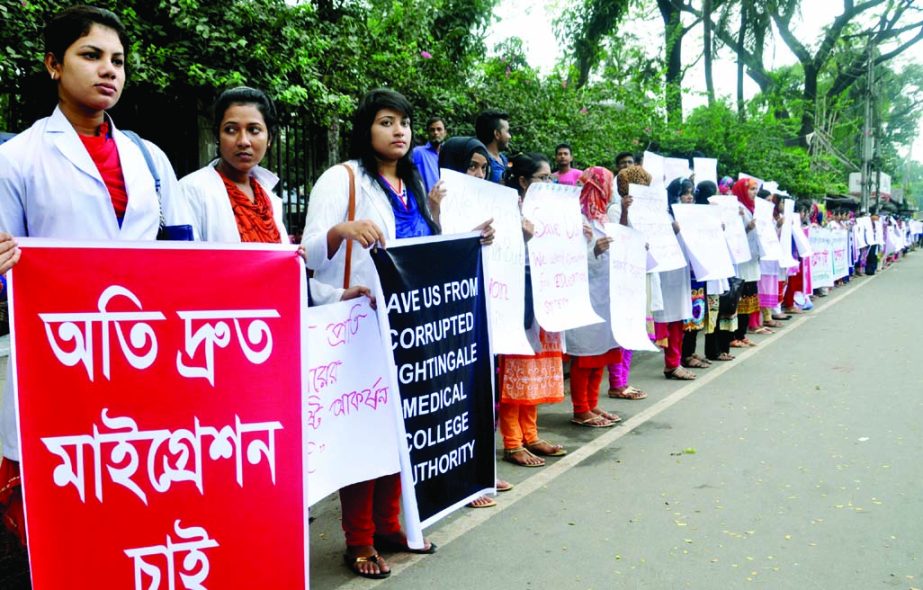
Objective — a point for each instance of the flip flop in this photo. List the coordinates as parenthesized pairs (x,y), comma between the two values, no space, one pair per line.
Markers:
(503,486)
(352,562)
(680,373)
(482,502)
(508,457)
(559,450)
(627,393)
(593,422)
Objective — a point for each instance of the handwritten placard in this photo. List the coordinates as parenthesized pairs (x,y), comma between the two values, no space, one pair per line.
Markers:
(349,393)
(786,260)
(558,257)
(766,230)
(822,259)
(654,165)
(735,232)
(628,287)
(648,214)
(469,202)
(700,230)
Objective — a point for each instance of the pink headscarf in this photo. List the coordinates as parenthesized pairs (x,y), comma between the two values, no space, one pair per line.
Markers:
(596,193)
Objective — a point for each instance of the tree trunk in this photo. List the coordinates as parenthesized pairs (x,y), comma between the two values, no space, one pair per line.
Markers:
(809,98)
(707,41)
(673,35)
(741,35)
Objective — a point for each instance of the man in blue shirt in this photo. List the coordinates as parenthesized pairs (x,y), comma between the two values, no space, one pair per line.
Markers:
(426,157)
(492,127)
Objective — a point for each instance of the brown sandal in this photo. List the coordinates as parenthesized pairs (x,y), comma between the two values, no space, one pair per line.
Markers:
(508,455)
(628,392)
(680,374)
(534,447)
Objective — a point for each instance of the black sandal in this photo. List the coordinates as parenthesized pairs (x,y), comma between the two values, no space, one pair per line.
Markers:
(353,561)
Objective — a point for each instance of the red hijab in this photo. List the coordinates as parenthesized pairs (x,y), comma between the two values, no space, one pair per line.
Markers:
(596,193)
(741,190)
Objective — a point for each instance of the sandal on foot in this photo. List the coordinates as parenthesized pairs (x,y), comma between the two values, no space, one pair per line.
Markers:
(680,374)
(604,414)
(781,316)
(690,362)
(761,330)
(541,446)
(482,502)
(701,358)
(594,422)
(738,344)
(393,545)
(353,561)
(748,342)
(509,454)
(724,356)
(627,393)
(503,486)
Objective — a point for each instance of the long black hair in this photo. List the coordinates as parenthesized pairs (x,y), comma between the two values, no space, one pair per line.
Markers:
(523,166)
(360,145)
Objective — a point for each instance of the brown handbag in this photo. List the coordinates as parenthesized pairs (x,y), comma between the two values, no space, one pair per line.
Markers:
(350,216)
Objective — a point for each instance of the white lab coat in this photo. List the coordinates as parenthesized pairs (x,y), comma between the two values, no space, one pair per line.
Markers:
(213,217)
(327,207)
(50,188)
(595,339)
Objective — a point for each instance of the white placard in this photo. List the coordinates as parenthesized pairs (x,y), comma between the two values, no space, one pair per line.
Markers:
(700,230)
(653,164)
(470,201)
(735,232)
(839,253)
(558,257)
(786,260)
(766,229)
(350,393)
(801,241)
(705,169)
(759,181)
(674,168)
(822,259)
(648,214)
(628,287)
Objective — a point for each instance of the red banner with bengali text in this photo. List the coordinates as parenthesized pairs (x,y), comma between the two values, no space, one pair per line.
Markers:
(159,407)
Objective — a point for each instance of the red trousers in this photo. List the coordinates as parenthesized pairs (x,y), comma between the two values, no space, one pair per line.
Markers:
(371,508)
(795,284)
(673,353)
(584,387)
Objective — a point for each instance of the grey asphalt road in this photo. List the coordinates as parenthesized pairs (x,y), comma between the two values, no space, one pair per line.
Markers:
(796,466)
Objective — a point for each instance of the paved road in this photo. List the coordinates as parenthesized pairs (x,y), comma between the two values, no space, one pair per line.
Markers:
(798,465)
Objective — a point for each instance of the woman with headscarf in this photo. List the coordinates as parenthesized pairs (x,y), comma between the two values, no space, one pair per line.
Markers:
(467,155)
(768,286)
(592,347)
(745,190)
(620,371)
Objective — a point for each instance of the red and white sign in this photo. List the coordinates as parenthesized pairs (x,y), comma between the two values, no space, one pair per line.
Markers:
(159,400)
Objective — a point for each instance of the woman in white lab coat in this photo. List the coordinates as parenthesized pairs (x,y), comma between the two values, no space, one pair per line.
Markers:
(231,198)
(73,175)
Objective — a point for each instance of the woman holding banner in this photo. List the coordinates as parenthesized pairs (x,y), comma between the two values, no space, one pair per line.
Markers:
(593,347)
(620,371)
(467,155)
(748,309)
(231,198)
(528,380)
(676,290)
(75,176)
(372,199)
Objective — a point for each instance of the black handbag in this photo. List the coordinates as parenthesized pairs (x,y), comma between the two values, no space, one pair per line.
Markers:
(728,301)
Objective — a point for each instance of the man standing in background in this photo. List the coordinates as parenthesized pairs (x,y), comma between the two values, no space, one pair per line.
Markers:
(426,157)
(492,127)
(563,156)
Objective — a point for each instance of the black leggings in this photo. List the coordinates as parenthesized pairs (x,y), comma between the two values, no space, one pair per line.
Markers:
(717,342)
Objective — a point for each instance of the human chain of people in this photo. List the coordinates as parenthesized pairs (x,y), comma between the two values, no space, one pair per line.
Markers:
(434,297)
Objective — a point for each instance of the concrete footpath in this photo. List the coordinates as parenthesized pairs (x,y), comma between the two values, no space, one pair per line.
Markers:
(798,465)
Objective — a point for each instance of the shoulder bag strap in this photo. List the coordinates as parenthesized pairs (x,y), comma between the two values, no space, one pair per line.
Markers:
(351,216)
